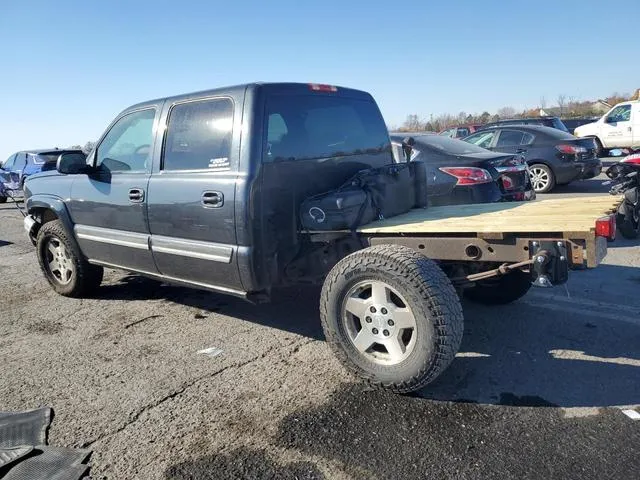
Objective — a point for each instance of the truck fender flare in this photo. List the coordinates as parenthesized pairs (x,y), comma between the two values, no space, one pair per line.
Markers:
(44,202)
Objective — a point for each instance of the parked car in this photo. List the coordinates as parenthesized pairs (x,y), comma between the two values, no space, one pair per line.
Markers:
(554,157)
(552,122)
(19,166)
(459,173)
(618,128)
(460,131)
(573,123)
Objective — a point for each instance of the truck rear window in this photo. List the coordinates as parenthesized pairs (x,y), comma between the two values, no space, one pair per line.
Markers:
(319,126)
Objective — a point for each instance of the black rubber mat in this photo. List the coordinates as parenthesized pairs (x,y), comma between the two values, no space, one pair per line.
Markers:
(24,428)
(11,455)
(50,463)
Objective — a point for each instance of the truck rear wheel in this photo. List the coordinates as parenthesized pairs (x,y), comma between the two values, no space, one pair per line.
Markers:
(500,290)
(392,317)
(64,267)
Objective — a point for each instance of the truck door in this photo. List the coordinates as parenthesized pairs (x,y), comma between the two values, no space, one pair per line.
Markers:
(109,206)
(192,194)
(617,130)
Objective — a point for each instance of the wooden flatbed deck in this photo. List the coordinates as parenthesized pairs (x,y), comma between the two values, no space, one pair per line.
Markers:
(575,216)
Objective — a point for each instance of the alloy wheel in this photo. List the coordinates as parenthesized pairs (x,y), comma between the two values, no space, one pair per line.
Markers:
(58,261)
(539,178)
(379,322)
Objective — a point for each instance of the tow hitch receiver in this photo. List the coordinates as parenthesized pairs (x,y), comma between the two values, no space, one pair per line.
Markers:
(550,264)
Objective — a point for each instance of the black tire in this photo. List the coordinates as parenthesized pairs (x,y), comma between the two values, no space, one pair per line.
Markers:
(430,299)
(80,277)
(600,150)
(500,290)
(3,199)
(550,183)
(628,225)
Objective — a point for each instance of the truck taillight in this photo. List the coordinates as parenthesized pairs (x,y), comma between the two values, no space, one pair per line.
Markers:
(468,175)
(606,227)
(570,149)
(319,87)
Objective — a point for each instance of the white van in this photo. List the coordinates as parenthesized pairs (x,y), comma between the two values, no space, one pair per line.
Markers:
(618,128)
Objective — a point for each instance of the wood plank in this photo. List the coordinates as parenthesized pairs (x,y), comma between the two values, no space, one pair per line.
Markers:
(553,215)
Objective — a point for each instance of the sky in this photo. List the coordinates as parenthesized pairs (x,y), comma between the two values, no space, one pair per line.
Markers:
(68,67)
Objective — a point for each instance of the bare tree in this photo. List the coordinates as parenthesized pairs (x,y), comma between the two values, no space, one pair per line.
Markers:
(562,101)
(543,102)
(412,124)
(88,147)
(506,112)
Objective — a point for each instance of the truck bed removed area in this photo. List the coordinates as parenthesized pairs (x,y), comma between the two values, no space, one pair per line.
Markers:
(500,231)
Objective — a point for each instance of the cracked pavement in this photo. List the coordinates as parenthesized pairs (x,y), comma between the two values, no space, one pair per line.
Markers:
(536,391)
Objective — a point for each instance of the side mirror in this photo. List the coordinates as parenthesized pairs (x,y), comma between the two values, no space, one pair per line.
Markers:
(610,120)
(72,163)
(407,147)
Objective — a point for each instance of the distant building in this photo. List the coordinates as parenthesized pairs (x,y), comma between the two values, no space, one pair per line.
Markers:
(601,107)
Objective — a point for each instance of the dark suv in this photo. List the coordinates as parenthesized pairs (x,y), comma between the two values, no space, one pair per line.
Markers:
(553,122)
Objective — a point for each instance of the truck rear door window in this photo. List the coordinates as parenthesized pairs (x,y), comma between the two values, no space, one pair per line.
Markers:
(199,135)
(303,127)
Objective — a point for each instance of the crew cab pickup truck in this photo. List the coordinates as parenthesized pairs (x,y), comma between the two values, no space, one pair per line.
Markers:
(205,189)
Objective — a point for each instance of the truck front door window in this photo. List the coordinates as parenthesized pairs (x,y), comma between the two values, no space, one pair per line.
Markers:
(127,145)
(621,113)
(199,135)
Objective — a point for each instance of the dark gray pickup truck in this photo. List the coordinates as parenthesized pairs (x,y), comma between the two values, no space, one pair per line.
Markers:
(205,189)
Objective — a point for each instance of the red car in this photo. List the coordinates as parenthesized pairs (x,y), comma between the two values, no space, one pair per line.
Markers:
(460,131)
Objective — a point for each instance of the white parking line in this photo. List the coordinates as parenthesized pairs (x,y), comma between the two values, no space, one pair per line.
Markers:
(580,355)
(632,414)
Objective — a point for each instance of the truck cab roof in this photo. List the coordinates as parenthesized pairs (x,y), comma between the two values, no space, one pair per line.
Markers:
(270,87)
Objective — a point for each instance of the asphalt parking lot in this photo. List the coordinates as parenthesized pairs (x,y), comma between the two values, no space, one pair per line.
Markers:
(537,390)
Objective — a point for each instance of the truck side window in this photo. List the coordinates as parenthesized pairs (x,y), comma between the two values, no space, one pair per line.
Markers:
(127,145)
(199,135)
(621,113)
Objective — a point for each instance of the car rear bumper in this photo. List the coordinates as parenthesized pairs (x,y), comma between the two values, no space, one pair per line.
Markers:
(589,169)
(582,170)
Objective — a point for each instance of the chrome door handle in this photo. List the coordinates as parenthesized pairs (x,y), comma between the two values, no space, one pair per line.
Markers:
(212,199)
(136,195)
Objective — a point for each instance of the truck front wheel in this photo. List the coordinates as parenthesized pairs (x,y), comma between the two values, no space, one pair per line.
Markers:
(392,317)
(500,290)
(64,267)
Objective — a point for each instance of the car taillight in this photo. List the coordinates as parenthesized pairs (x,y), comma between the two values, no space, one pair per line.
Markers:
(634,159)
(507,183)
(606,227)
(468,175)
(570,149)
(319,87)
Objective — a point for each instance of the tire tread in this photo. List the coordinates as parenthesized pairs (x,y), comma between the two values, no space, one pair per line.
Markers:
(435,289)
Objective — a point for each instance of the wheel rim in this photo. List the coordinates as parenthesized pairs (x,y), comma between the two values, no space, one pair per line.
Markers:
(539,178)
(379,322)
(58,261)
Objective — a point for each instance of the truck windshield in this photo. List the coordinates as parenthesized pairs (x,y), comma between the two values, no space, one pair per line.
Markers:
(319,126)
